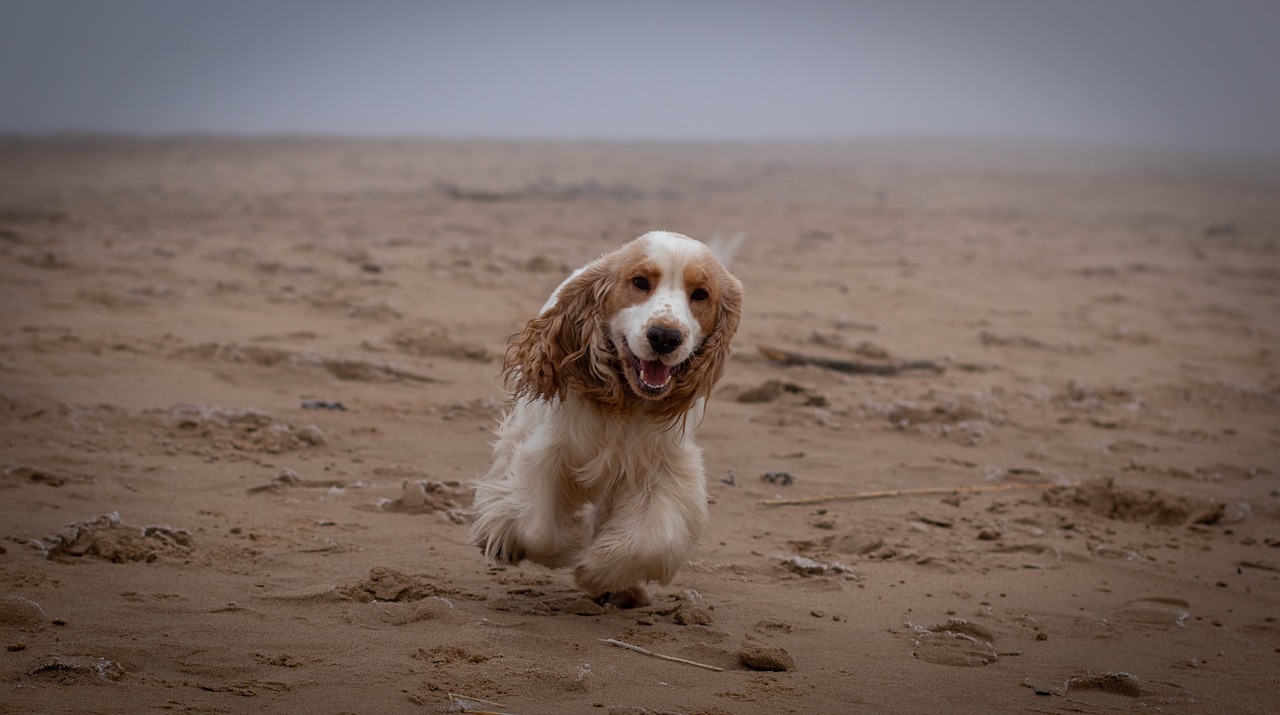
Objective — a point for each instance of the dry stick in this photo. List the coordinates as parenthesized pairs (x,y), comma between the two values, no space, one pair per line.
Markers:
(651,654)
(858,496)
(786,357)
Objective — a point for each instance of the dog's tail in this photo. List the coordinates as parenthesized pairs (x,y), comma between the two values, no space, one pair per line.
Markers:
(726,249)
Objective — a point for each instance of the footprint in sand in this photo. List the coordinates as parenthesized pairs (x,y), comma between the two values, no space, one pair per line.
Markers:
(957,642)
(1157,614)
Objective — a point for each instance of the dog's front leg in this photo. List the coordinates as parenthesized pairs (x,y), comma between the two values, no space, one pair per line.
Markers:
(525,508)
(645,534)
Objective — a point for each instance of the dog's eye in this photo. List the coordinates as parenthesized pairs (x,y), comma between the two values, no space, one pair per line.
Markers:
(640,282)
(698,295)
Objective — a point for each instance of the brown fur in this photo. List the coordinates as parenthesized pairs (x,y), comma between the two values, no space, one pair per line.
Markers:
(568,346)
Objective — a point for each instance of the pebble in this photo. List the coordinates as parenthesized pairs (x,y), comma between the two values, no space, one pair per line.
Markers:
(18,612)
(758,655)
(692,616)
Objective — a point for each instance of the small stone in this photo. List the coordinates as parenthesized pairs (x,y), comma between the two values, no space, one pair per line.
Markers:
(758,655)
(19,612)
(1042,636)
(1078,389)
(988,535)
(766,392)
(779,478)
(817,401)
(582,607)
(312,436)
(692,616)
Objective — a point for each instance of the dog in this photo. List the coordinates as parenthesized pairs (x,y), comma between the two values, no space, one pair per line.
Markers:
(595,466)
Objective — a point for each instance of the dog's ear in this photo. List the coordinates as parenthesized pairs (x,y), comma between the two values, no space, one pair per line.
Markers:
(716,347)
(708,363)
(567,346)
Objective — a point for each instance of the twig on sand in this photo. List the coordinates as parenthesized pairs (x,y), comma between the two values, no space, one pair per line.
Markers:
(786,357)
(643,651)
(859,496)
(466,704)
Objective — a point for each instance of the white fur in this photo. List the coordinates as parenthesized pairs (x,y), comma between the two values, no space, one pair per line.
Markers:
(643,480)
(621,498)
(667,304)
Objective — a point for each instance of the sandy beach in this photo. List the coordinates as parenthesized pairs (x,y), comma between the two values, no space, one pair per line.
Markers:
(245,385)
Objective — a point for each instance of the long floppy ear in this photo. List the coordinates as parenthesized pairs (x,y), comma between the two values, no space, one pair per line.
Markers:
(707,365)
(717,345)
(567,345)
(716,348)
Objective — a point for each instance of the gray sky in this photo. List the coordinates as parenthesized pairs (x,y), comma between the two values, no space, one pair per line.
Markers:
(1160,72)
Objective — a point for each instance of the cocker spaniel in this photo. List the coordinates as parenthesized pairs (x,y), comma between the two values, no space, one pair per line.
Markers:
(595,465)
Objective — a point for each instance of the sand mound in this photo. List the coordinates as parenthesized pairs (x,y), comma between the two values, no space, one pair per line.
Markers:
(110,539)
(1149,506)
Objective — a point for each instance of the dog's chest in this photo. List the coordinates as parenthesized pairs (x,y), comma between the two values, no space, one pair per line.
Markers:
(611,451)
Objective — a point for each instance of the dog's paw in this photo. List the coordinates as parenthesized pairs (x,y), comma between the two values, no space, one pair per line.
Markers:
(604,587)
(503,552)
(497,541)
(634,597)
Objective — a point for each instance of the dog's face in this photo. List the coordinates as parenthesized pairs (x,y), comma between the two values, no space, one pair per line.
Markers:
(649,324)
(665,300)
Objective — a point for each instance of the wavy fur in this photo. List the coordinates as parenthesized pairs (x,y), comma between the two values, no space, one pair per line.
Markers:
(589,470)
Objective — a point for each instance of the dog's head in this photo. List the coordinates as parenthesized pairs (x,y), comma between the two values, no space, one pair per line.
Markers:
(645,328)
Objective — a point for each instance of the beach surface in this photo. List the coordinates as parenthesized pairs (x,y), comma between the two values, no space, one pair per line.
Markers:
(245,385)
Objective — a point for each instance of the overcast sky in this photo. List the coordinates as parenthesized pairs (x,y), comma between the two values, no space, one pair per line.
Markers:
(1195,74)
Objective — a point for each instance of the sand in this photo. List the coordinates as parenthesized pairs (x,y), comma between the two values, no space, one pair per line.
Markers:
(245,384)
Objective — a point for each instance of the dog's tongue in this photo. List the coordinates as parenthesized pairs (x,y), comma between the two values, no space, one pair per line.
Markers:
(654,373)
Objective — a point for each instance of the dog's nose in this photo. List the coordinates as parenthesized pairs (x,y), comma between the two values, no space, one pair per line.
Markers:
(664,340)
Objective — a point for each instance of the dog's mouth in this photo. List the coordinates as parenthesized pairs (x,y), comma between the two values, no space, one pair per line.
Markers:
(652,378)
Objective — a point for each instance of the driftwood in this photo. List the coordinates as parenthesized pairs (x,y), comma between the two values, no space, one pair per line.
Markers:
(853,367)
(859,496)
